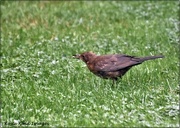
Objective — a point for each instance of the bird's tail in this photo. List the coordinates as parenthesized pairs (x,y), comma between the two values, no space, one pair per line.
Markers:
(151,57)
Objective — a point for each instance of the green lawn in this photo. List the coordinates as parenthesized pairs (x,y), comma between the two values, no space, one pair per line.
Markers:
(41,83)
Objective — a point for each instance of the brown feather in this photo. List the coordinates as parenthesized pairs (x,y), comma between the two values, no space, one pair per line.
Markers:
(112,66)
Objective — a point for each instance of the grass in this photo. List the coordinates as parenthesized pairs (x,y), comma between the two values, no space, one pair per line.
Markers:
(41,84)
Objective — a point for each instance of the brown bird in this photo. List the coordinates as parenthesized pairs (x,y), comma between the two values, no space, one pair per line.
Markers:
(111,66)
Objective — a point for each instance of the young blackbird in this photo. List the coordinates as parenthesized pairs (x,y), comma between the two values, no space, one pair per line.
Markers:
(111,66)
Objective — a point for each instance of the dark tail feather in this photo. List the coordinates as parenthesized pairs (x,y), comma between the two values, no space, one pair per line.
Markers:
(151,57)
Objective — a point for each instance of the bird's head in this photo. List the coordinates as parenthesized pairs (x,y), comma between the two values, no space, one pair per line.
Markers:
(86,56)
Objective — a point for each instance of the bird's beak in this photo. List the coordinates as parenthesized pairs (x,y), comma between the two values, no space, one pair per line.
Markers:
(76,56)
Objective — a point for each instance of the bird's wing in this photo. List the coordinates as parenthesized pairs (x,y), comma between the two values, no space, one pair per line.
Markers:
(114,62)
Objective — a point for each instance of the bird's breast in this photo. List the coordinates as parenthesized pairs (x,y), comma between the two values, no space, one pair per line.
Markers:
(90,67)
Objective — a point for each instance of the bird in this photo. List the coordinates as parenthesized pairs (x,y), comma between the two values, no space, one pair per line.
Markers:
(111,66)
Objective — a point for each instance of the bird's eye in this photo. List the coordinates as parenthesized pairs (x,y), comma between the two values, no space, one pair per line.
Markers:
(84,58)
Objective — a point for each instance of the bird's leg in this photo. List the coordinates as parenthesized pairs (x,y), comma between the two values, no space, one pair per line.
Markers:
(114,80)
(113,83)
